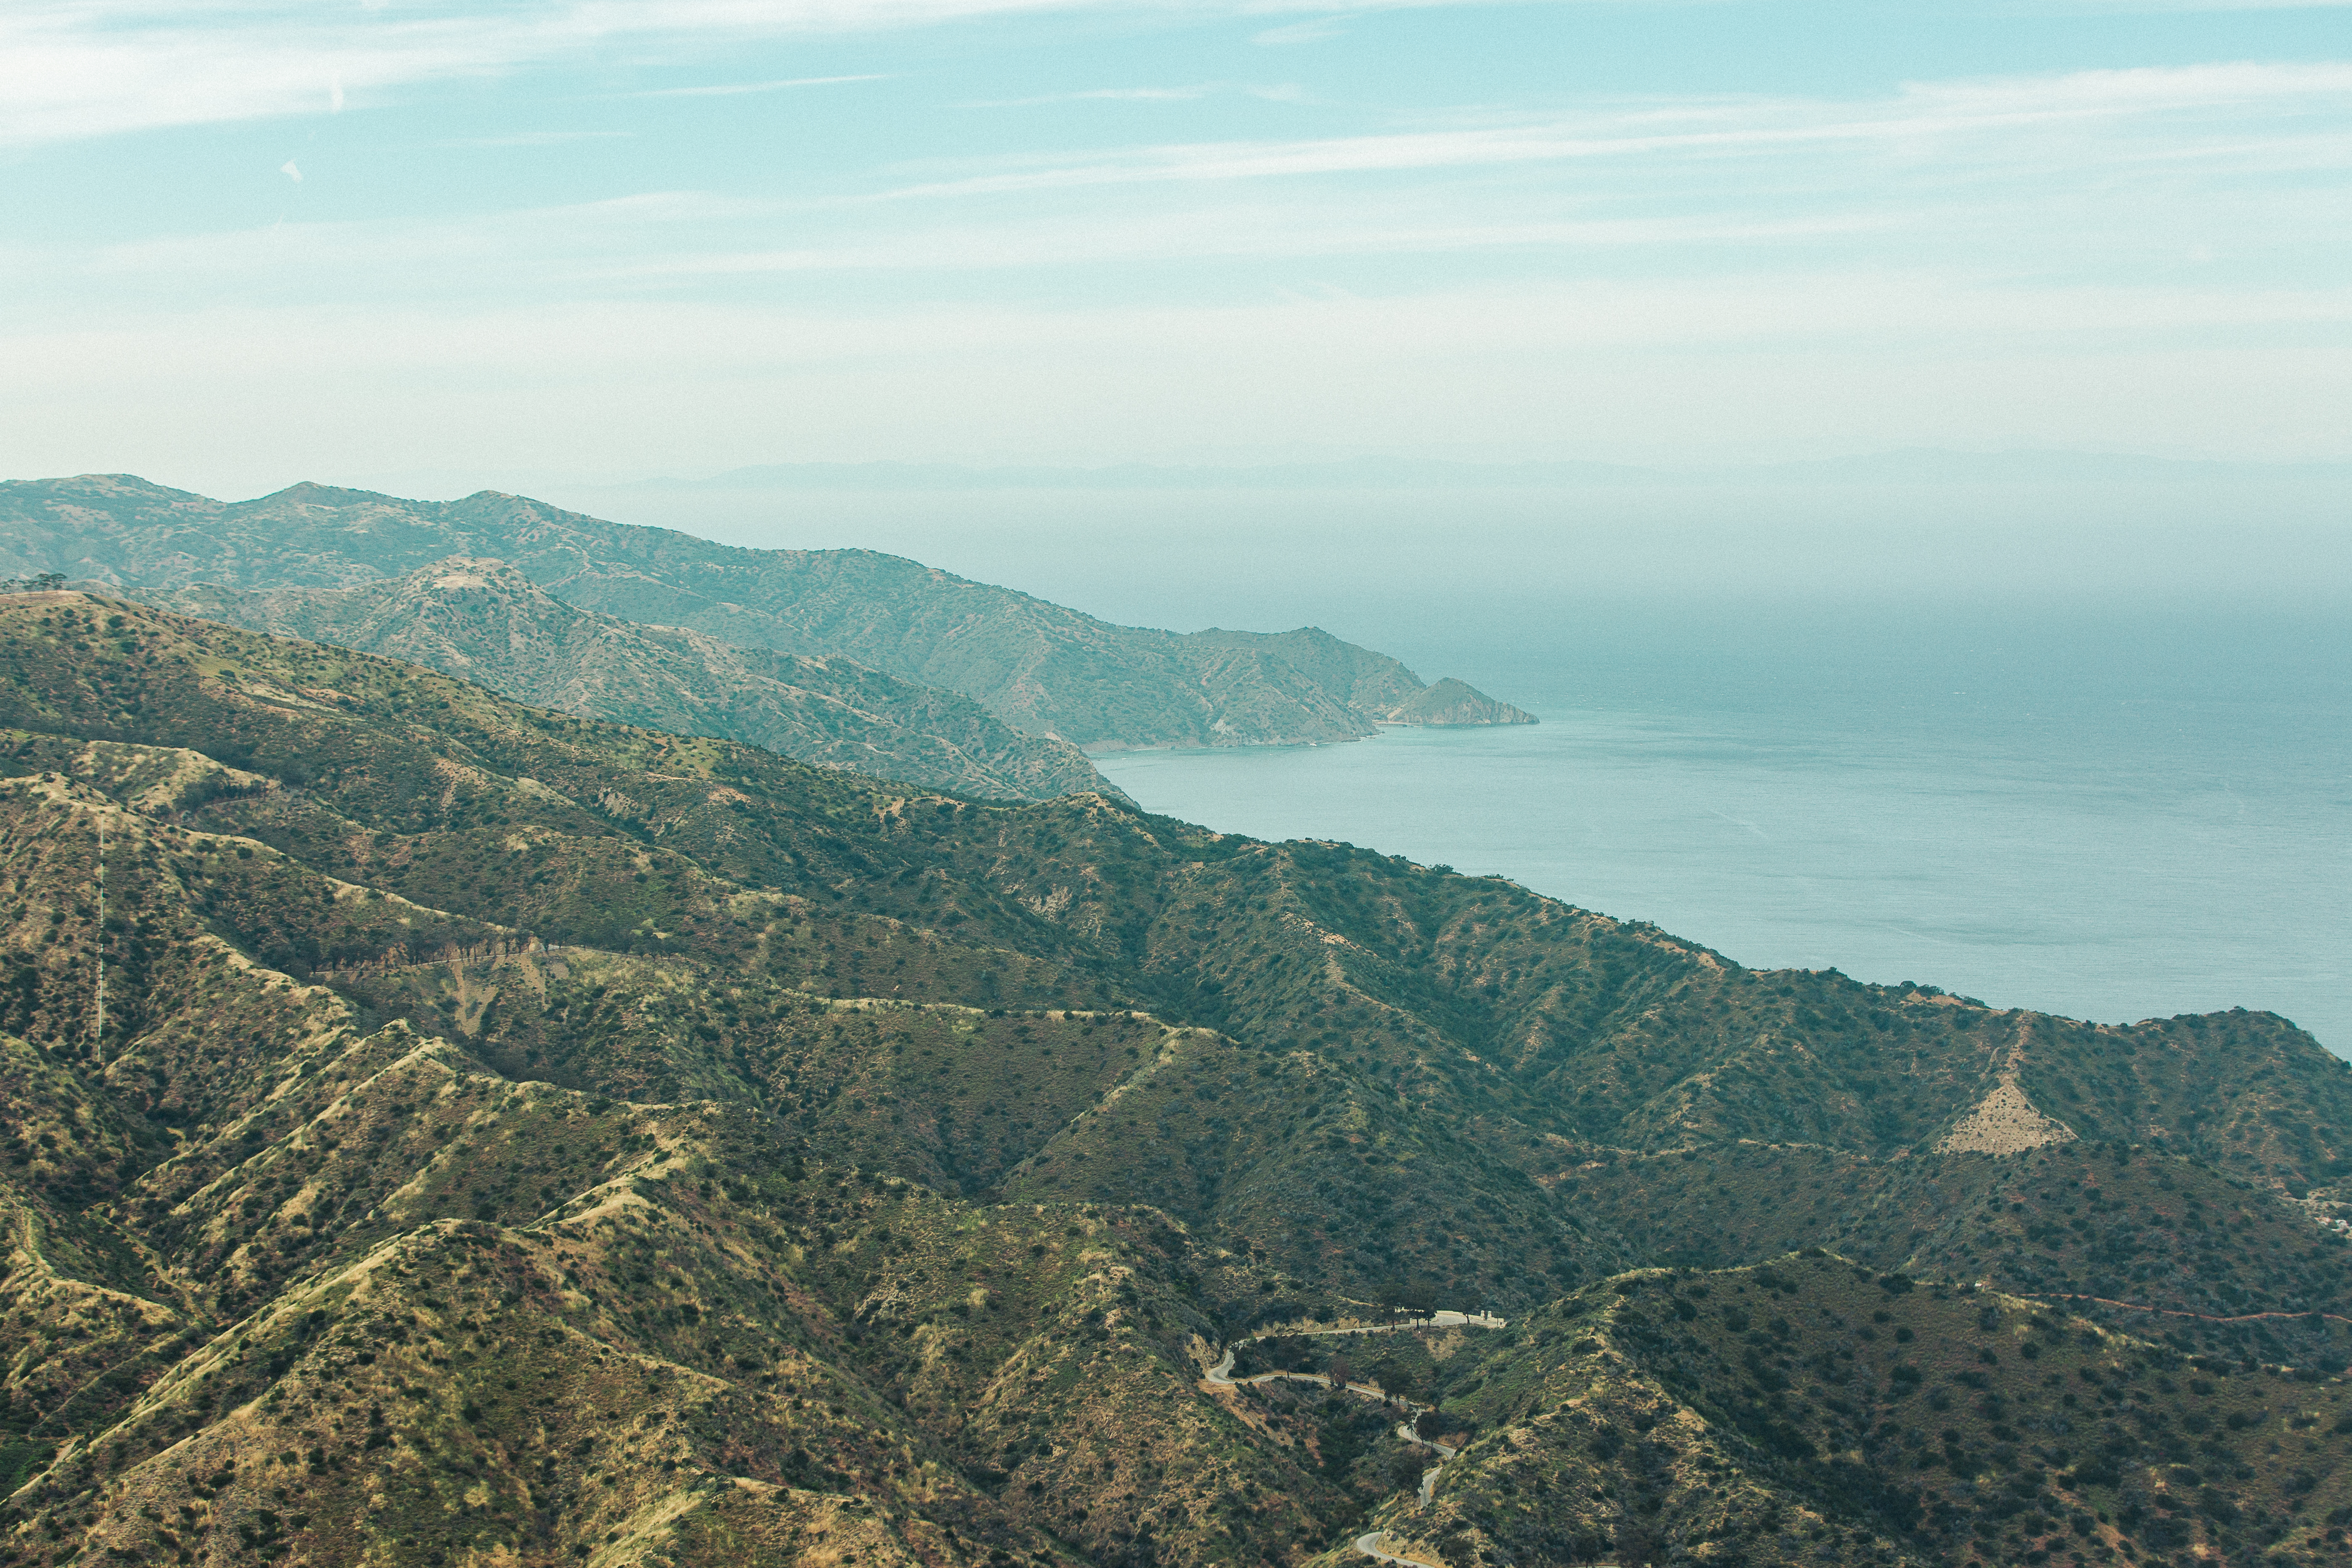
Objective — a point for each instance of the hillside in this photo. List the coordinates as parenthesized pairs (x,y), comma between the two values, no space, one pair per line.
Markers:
(1044,670)
(511,1136)
(485,622)
(1815,1411)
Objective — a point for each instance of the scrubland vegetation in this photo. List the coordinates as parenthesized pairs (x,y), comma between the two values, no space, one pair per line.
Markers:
(515,1138)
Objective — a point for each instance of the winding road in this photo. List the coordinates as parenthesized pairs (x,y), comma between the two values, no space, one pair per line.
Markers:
(1369,1543)
(1222,1375)
(2175,1312)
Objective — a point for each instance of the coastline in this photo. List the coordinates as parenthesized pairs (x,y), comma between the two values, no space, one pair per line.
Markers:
(2048,863)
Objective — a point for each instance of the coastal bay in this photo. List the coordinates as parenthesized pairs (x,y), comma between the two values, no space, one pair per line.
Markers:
(2111,841)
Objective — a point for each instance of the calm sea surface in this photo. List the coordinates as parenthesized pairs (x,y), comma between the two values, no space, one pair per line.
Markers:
(2110,816)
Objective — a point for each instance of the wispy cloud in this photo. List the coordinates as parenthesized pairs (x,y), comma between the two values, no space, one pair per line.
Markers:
(1193,94)
(1233,233)
(1920,118)
(537,139)
(2080,257)
(2039,175)
(1309,32)
(89,68)
(85,68)
(743,89)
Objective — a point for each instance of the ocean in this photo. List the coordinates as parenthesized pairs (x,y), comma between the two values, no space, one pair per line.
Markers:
(2108,813)
(2079,741)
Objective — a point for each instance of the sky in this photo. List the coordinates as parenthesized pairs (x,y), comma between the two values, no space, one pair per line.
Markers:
(595,241)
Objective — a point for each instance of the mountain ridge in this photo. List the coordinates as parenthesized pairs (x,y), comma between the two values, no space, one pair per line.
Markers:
(482,620)
(1044,668)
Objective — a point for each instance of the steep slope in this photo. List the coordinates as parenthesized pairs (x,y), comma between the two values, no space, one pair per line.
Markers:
(1042,669)
(2146,1242)
(484,621)
(742,867)
(1453,702)
(291,1280)
(1366,683)
(815,1157)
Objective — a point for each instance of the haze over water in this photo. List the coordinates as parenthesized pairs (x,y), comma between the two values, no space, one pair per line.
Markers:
(2104,814)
